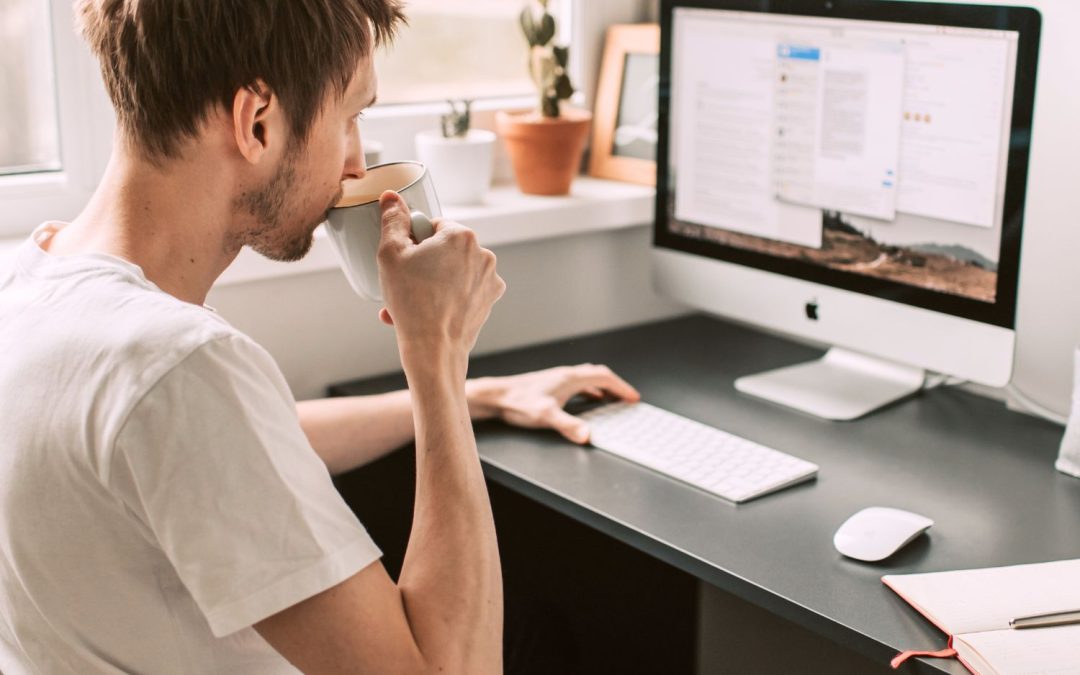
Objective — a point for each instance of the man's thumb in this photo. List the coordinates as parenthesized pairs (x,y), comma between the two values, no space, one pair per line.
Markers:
(571,427)
(396,224)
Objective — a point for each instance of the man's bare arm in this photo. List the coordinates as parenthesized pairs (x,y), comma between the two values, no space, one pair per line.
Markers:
(353,431)
(356,430)
(445,614)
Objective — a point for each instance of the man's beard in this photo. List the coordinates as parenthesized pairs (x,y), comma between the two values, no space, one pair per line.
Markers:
(272,235)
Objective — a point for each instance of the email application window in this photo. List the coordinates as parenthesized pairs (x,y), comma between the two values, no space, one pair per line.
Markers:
(870,147)
(837,136)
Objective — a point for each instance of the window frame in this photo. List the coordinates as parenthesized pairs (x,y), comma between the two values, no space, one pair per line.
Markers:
(85,122)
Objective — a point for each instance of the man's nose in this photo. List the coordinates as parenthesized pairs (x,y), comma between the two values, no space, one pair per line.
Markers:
(355,166)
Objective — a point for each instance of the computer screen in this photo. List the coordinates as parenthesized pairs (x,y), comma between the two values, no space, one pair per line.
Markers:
(872,147)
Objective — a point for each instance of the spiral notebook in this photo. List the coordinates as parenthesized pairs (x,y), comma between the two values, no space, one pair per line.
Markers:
(974,607)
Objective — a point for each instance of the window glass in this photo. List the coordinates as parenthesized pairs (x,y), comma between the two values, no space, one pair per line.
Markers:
(456,49)
(29,136)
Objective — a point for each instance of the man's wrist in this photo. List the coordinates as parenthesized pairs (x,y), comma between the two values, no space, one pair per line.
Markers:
(433,359)
(424,364)
(483,396)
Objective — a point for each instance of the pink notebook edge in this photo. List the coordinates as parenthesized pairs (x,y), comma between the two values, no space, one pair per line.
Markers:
(948,652)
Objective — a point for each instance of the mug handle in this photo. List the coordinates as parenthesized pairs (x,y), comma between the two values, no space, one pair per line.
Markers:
(421,226)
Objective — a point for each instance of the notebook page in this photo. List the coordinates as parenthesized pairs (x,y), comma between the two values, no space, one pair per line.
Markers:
(968,601)
(1035,651)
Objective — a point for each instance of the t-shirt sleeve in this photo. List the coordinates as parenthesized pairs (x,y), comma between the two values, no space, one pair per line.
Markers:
(213,461)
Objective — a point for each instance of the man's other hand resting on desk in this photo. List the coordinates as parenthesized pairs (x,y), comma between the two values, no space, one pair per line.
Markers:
(354,431)
(164,510)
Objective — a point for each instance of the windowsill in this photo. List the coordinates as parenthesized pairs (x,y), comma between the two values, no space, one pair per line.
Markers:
(506,217)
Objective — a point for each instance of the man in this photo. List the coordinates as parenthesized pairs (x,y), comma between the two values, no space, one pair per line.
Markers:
(163,510)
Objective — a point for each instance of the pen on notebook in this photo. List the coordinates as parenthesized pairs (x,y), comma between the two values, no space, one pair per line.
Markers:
(1043,620)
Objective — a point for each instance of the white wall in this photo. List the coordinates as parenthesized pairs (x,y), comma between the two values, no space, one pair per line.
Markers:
(320,332)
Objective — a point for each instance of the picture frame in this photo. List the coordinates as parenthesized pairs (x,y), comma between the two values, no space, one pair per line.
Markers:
(625,113)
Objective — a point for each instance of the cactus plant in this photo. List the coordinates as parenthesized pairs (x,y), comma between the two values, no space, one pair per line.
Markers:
(547,62)
(455,124)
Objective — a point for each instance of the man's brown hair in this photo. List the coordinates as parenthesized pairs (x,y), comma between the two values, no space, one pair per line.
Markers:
(167,63)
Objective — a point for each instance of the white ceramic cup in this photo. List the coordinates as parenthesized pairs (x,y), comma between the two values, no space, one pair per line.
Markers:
(355,224)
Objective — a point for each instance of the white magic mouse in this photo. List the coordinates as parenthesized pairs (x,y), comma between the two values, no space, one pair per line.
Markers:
(877,532)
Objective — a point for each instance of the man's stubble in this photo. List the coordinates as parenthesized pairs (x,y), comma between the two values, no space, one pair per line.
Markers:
(274,234)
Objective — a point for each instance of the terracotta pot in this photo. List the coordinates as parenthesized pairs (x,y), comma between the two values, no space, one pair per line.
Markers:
(544,151)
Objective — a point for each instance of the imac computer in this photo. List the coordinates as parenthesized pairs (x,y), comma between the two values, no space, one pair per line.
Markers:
(851,172)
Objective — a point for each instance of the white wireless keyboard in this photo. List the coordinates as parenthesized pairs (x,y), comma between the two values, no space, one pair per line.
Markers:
(720,463)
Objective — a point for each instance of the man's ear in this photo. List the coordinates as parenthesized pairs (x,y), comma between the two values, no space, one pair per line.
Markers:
(257,121)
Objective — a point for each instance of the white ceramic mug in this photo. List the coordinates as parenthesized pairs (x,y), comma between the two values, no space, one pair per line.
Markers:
(355,224)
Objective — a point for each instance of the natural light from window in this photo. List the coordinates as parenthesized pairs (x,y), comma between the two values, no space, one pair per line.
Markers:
(459,49)
(29,136)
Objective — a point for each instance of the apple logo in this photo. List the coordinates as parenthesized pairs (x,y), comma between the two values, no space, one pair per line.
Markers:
(811,310)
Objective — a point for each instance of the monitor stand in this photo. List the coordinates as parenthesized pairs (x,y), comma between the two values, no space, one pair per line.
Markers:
(842,385)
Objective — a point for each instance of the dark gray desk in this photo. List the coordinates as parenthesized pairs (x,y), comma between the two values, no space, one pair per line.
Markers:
(984,474)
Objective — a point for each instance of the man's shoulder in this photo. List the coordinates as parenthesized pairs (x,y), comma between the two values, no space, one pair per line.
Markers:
(143,324)
(89,347)
(101,303)
(163,334)
(160,322)
(107,327)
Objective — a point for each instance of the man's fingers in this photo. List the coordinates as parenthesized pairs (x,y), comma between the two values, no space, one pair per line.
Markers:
(592,376)
(396,223)
(439,224)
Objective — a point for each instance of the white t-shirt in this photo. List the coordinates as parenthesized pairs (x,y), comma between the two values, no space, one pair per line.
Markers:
(157,495)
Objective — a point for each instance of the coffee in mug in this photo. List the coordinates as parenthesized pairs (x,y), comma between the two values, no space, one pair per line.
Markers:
(355,222)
